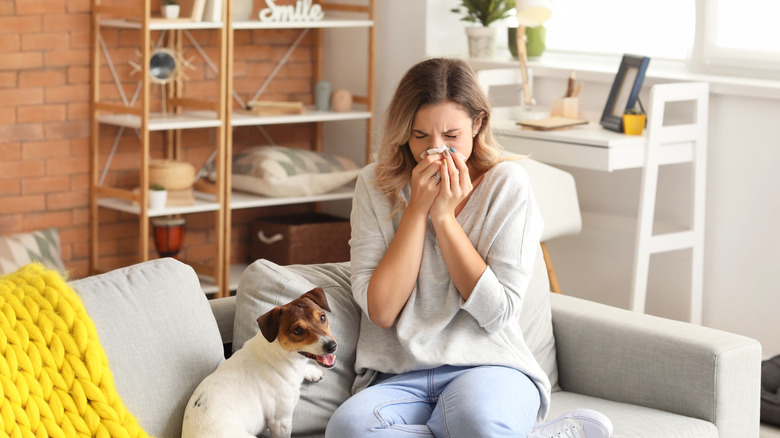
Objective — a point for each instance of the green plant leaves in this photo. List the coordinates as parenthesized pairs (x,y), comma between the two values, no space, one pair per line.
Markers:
(485,11)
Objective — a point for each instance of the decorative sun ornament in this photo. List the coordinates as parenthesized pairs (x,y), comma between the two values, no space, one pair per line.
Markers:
(165,66)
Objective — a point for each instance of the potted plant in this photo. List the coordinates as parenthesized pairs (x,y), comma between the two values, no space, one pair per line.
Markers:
(170,9)
(482,37)
(158,197)
(634,121)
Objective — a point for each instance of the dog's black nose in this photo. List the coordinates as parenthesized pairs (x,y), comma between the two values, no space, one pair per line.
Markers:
(330,346)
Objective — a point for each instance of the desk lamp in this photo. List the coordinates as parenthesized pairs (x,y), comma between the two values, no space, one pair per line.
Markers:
(530,13)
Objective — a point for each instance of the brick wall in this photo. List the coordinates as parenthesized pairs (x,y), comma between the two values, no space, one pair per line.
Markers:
(45,119)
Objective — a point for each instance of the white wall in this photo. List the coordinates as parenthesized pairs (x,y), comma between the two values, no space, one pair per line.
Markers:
(742,249)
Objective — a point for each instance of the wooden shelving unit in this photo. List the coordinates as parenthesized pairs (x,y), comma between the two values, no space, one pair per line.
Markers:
(182,113)
(355,17)
(219,278)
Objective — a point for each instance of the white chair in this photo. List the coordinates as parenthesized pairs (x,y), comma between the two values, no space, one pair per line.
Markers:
(556,196)
(660,138)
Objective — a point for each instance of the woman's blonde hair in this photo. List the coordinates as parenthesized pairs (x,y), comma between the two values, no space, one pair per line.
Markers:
(431,82)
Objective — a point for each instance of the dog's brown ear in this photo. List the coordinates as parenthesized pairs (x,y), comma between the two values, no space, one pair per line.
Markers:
(269,323)
(318,296)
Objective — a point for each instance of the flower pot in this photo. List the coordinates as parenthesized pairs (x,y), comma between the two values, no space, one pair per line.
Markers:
(157,199)
(170,11)
(482,41)
(535,41)
(634,124)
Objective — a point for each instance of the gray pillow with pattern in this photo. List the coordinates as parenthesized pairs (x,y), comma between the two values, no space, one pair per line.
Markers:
(279,171)
(17,250)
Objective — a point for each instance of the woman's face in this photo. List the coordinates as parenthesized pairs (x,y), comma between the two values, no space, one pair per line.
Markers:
(442,124)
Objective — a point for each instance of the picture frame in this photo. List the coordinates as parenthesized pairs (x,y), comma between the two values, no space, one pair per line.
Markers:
(625,91)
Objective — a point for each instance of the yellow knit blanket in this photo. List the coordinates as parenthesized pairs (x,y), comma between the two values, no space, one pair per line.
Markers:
(54,376)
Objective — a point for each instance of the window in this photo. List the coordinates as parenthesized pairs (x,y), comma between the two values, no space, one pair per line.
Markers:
(659,29)
(738,37)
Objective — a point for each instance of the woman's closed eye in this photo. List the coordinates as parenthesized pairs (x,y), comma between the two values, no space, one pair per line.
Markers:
(452,135)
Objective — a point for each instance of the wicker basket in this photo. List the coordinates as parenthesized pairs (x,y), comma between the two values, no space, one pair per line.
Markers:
(300,239)
(171,174)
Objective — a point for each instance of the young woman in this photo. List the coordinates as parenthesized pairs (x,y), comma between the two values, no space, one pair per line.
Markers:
(444,239)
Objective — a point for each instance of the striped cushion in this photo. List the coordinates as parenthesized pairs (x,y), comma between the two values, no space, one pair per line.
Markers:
(280,171)
(17,250)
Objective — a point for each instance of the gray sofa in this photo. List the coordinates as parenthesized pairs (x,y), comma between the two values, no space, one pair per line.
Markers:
(652,377)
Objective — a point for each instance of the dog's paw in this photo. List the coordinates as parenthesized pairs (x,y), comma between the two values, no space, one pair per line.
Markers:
(313,374)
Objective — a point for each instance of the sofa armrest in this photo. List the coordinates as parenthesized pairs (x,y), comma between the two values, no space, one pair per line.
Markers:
(224,310)
(673,366)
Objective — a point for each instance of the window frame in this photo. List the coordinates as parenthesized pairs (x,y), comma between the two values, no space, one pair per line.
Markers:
(708,57)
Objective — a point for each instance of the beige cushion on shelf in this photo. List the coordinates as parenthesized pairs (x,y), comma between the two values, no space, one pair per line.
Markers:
(279,171)
(17,250)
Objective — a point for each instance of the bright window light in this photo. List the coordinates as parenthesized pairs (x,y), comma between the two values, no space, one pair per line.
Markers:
(737,37)
(660,29)
(748,25)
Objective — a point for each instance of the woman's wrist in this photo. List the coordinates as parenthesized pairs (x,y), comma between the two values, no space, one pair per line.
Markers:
(441,222)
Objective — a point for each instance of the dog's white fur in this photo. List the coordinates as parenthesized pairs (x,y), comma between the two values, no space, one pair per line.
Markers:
(257,387)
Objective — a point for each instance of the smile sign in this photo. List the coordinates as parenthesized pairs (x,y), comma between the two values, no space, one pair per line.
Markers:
(304,10)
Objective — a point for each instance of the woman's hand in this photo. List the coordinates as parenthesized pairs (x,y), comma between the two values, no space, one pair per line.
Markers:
(454,188)
(425,186)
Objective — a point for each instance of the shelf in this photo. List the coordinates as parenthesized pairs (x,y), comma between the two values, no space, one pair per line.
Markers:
(165,121)
(239,200)
(203,203)
(160,24)
(324,23)
(309,115)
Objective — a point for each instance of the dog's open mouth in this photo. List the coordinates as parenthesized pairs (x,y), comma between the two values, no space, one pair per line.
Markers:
(327,361)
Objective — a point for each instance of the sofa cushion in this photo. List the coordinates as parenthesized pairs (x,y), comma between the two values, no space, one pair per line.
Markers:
(159,334)
(17,250)
(265,285)
(633,420)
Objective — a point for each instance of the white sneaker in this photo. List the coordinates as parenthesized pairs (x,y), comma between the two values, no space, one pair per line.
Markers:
(580,423)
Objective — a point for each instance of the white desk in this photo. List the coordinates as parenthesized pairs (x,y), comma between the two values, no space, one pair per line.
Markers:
(592,147)
(585,146)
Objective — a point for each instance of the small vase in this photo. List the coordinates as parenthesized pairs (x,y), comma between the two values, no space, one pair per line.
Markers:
(482,41)
(242,10)
(168,235)
(322,96)
(171,11)
(534,41)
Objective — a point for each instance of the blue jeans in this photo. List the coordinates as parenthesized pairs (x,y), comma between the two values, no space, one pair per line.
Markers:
(485,401)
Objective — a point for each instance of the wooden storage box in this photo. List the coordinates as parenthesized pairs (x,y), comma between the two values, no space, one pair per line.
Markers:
(300,239)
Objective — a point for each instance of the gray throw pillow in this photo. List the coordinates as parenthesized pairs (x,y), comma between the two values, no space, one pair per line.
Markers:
(265,285)
(159,334)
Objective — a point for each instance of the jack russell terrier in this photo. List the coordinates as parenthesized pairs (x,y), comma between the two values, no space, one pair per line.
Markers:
(259,385)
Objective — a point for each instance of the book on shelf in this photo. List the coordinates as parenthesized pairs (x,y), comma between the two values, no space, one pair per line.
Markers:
(273,108)
(213,11)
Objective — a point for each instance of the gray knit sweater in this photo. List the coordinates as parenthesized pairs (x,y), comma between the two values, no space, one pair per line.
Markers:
(437,327)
